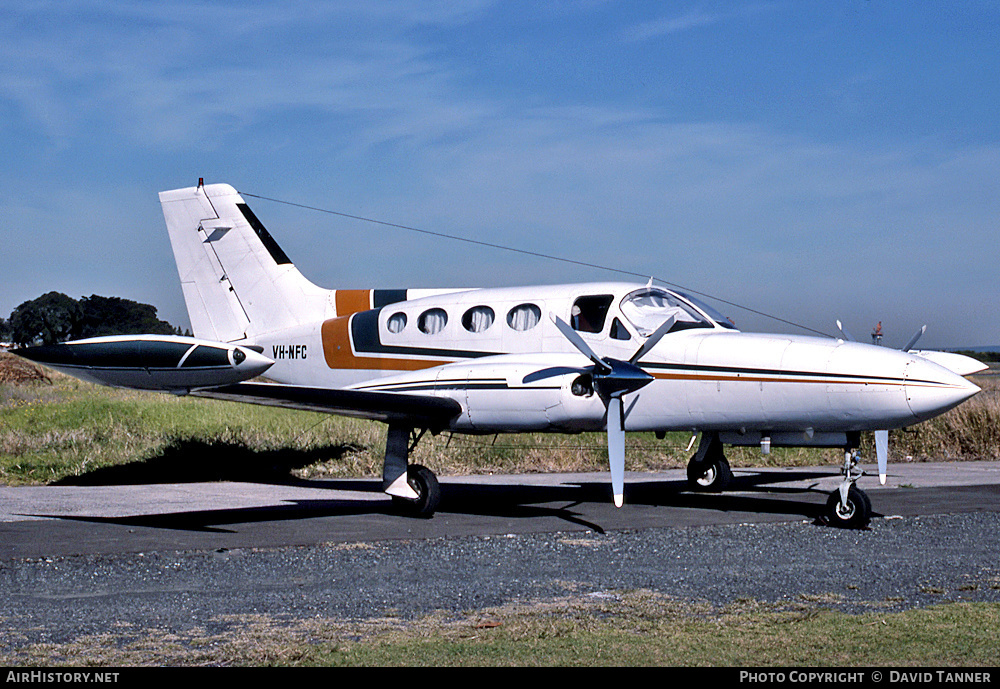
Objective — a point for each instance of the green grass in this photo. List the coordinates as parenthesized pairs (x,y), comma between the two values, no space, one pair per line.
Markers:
(637,628)
(68,429)
(642,629)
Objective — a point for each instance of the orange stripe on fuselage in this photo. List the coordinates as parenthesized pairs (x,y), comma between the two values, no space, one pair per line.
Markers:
(352,301)
(744,378)
(337,350)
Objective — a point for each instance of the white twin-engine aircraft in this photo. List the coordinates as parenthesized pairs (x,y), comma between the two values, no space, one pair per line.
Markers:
(563,358)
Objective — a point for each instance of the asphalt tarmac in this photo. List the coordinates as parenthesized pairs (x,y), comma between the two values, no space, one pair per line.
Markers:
(82,560)
(61,521)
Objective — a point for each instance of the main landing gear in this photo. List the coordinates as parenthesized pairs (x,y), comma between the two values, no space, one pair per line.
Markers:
(414,488)
(708,471)
(848,507)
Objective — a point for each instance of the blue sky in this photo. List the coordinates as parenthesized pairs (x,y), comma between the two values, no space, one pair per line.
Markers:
(811,160)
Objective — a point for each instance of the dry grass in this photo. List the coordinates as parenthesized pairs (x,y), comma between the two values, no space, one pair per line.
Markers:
(17,371)
(969,432)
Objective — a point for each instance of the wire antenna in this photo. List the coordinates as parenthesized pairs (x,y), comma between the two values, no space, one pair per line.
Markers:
(536,254)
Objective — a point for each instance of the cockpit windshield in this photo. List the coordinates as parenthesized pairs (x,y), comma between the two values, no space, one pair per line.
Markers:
(710,311)
(647,308)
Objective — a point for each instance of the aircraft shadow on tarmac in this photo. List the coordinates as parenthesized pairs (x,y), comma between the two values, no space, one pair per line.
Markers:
(584,504)
(753,493)
(188,460)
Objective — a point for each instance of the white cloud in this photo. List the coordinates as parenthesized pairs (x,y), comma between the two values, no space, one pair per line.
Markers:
(695,18)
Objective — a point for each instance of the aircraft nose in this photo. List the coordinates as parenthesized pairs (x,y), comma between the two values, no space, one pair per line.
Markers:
(932,389)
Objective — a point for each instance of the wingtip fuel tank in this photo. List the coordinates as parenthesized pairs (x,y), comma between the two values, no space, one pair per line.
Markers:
(151,362)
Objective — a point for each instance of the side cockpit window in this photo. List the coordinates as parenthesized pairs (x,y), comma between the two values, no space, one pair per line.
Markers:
(589,313)
(619,331)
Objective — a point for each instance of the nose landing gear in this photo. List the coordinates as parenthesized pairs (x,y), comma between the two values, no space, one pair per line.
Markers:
(848,507)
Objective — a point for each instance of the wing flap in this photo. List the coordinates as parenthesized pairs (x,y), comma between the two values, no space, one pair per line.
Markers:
(420,410)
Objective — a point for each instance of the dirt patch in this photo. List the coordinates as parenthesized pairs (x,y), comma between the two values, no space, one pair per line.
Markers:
(16,371)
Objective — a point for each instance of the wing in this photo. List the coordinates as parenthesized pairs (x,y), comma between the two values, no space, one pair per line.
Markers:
(420,410)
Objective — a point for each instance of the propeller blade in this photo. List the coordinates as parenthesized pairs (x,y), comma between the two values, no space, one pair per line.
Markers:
(913,340)
(651,341)
(616,448)
(613,379)
(882,454)
(578,342)
(847,335)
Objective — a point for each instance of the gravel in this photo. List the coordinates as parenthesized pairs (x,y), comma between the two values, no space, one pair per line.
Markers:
(898,563)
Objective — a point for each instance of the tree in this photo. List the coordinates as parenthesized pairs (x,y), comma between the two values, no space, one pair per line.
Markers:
(51,318)
(117,316)
(55,317)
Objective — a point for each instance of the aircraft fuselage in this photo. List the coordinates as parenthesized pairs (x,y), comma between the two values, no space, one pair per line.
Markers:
(498,353)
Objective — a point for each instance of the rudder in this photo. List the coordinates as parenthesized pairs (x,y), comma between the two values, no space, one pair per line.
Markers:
(237,282)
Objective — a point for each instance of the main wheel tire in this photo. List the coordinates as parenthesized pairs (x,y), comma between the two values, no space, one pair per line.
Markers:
(710,476)
(425,483)
(855,515)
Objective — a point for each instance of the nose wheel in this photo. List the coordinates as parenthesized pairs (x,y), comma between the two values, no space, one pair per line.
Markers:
(848,507)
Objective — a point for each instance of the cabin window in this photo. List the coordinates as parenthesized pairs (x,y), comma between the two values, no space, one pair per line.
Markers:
(588,313)
(396,322)
(432,321)
(478,319)
(524,317)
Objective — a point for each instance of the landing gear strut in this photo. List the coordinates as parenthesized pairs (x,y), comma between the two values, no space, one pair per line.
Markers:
(708,471)
(414,488)
(848,507)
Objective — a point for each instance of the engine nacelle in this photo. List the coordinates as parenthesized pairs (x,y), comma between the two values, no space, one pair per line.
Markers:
(535,393)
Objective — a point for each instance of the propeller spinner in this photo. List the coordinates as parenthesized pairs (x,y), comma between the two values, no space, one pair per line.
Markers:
(612,380)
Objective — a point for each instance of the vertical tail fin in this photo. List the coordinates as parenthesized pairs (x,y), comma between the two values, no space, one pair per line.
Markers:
(237,281)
